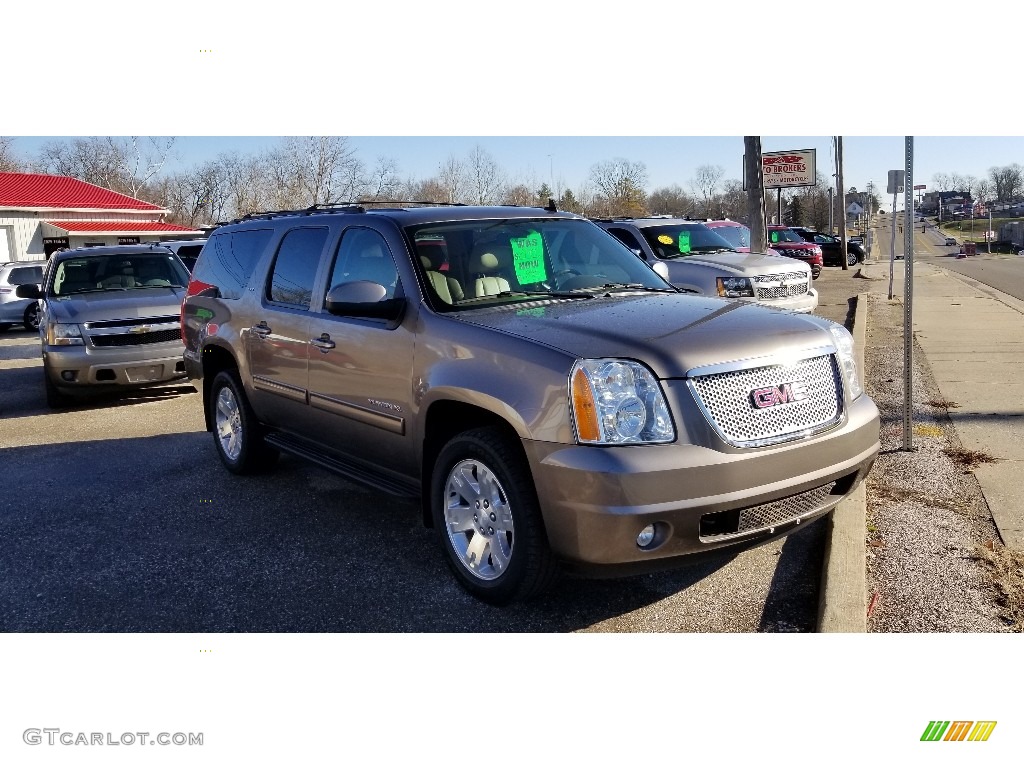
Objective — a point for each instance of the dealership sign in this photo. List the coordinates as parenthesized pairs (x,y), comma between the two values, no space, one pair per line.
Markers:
(788,169)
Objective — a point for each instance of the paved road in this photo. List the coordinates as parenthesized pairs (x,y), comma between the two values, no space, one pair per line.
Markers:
(117,516)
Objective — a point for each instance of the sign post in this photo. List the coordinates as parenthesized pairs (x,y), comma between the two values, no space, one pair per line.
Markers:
(908,299)
(895,187)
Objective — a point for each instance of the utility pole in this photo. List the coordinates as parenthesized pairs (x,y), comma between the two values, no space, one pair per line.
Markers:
(842,200)
(755,193)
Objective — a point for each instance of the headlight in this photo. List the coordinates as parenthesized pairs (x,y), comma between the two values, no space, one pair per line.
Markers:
(734,287)
(618,401)
(64,334)
(844,349)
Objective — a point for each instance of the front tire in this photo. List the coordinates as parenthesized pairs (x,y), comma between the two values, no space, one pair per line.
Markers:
(54,397)
(31,318)
(486,514)
(851,259)
(237,432)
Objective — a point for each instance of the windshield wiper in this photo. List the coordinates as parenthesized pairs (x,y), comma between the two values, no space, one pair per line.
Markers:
(573,294)
(638,287)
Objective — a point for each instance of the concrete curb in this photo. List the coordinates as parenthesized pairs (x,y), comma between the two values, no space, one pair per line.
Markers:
(842,605)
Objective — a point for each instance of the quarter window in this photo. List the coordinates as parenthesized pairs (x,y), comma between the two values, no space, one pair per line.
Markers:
(230,259)
(295,267)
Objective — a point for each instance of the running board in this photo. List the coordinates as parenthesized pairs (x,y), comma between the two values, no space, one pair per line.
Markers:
(339,466)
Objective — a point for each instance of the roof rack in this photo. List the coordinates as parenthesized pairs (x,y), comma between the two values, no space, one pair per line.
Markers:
(405,202)
(315,208)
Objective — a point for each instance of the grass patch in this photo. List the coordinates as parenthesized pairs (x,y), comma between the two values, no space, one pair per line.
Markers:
(1006,569)
(969,459)
(884,493)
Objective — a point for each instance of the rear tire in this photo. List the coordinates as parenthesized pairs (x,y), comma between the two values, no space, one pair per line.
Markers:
(851,259)
(488,519)
(237,432)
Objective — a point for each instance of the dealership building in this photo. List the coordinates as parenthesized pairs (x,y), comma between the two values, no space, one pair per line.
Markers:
(40,214)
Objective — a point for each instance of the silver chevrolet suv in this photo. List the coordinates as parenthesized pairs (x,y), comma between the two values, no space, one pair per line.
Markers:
(109,319)
(699,260)
(548,397)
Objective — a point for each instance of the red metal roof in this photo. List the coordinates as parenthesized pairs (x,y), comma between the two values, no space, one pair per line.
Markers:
(120,227)
(36,190)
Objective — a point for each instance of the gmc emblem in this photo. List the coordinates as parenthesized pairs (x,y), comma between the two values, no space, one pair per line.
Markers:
(791,392)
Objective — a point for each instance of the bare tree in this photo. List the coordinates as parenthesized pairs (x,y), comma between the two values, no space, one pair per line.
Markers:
(452,177)
(9,160)
(93,159)
(1007,181)
(943,182)
(484,175)
(984,188)
(384,183)
(518,194)
(621,183)
(671,200)
(143,159)
(705,183)
(317,170)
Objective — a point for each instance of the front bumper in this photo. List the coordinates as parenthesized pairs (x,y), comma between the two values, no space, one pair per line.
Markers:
(595,500)
(79,368)
(802,304)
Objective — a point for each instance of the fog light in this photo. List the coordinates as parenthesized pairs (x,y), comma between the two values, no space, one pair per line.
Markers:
(646,537)
(67,375)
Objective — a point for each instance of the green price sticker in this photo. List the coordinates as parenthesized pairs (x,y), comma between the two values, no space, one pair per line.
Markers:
(684,242)
(528,258)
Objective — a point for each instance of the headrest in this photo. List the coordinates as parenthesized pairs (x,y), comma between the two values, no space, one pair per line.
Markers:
(488,257)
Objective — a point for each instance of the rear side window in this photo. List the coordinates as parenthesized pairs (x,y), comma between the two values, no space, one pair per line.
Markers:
(25,275)
(291,281)
(229,260)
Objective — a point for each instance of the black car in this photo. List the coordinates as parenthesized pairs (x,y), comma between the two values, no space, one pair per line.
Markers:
(832,248)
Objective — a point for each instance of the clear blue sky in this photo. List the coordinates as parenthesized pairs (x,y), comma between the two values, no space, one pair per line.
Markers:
(669,159)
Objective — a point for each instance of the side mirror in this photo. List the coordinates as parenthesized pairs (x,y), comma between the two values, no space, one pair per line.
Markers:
(28,291)
(365,299)
(662,270)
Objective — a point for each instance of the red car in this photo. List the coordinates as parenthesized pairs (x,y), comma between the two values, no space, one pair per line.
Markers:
(789,243)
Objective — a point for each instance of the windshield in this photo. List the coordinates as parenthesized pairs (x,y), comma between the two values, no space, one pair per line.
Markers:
(784,236)
(468,264)
(737,235)
(118,272)
(674,241)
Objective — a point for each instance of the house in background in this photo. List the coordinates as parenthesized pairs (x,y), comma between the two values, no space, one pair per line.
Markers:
(854,211)
(40,214)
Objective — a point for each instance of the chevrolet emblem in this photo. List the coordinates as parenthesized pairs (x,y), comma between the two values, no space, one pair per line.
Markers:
(140,329)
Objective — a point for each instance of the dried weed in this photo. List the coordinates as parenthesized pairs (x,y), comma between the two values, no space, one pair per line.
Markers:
(969,459)
(1006,568)
(941,402)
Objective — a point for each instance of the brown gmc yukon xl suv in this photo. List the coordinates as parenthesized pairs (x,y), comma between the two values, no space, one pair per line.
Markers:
(551,400)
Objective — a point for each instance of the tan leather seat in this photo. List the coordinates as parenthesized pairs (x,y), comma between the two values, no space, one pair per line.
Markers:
(487,263)
(448,289)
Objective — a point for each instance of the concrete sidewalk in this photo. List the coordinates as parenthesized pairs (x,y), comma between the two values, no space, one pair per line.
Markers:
(973,339)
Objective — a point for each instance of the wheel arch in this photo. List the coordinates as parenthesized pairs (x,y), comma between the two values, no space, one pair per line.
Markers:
(215,359)
(444,420)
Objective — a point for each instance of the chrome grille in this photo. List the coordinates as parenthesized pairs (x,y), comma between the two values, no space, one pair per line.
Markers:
(781,286)
(721,525)
(783,510)
(727,400)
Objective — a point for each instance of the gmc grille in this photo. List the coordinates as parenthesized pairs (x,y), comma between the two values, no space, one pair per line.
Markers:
(726,401)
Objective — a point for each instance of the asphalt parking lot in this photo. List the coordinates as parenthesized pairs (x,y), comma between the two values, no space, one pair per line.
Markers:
(117,516)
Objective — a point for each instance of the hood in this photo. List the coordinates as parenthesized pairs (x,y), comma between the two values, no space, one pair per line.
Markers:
(130,304)
(671,333)
(737,262)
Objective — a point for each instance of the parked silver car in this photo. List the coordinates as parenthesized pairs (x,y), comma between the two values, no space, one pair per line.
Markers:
(699,260)
(109,319)
(15,310)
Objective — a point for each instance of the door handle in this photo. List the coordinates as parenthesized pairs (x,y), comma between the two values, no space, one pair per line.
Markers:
(262,329)
(323,343)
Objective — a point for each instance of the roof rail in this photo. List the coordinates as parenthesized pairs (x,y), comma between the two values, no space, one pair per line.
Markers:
(405,202)
(315,208)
